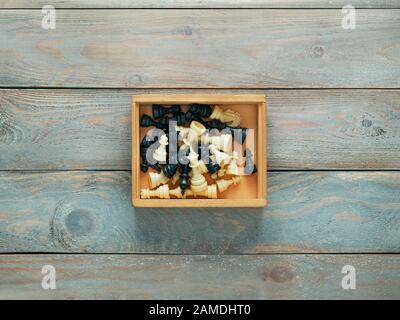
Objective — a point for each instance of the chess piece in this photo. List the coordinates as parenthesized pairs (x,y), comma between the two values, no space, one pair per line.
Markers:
(169,170)
(210,192)
(223,184)
(147,121)
(198,128)
(160,111)
(232,167)
(239,134)
(226,116)
(155,179)
(221,158)
(222,142)
(203,167)
(215,124)
(219,174)
(179,118)
(213,166)
(203,110)
(197,182)
(184,184)
(161,192)
(146,142)
(161,152)
(250,167)
(197,111)
(178,193)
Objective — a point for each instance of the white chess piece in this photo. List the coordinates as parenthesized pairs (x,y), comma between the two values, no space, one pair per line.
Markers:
(155,179)
(177,192)
(221,158)
(161,152)
(223,184)
(161,192)
(226,116)
(198,128)
(197,183)
(176,177)
(222,142)
(210,192)
(233,167)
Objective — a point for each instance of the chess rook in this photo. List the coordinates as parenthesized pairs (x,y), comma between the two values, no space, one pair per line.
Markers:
(198,128)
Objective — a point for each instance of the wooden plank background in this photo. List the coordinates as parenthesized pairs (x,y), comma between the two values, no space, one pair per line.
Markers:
(200,277)
(334,149)
(200,4)
(307,129)
(200,49)
(308,212)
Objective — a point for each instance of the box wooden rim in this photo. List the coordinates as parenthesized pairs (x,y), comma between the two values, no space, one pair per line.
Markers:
(260,201)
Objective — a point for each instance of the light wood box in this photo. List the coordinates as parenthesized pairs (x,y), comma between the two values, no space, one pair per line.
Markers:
(252,189)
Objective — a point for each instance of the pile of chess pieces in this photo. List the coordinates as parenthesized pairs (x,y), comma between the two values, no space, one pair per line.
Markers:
(203,163)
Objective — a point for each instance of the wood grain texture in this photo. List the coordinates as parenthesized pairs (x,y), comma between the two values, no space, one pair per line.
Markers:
(199,3)
(200,277)
(307,129)
(92,212)
(200,49)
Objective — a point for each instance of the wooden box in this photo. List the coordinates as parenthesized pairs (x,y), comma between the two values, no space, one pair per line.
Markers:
(252,189)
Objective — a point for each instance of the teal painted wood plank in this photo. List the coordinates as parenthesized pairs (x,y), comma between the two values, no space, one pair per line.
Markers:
(307,129)
(199,3)
(200,277)
(308,212)
(200,49)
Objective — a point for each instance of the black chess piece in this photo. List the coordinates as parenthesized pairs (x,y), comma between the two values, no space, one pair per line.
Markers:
(184,183)
(146,142)
(241,136)
(179,118)
(250,167)
(203,110)
(147,121)
(160,111)
(215,124)
(170,169)
(213,167)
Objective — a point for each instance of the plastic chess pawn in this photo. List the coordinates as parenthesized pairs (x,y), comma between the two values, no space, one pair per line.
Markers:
(223,184)
(169,170)
(161,152)
(221,158)
(178,193)
(222,142)
(161,192)
(155,179)
(210,192)
(250,167)
(197,182)
(160,111)
(232,167)
(226,116)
